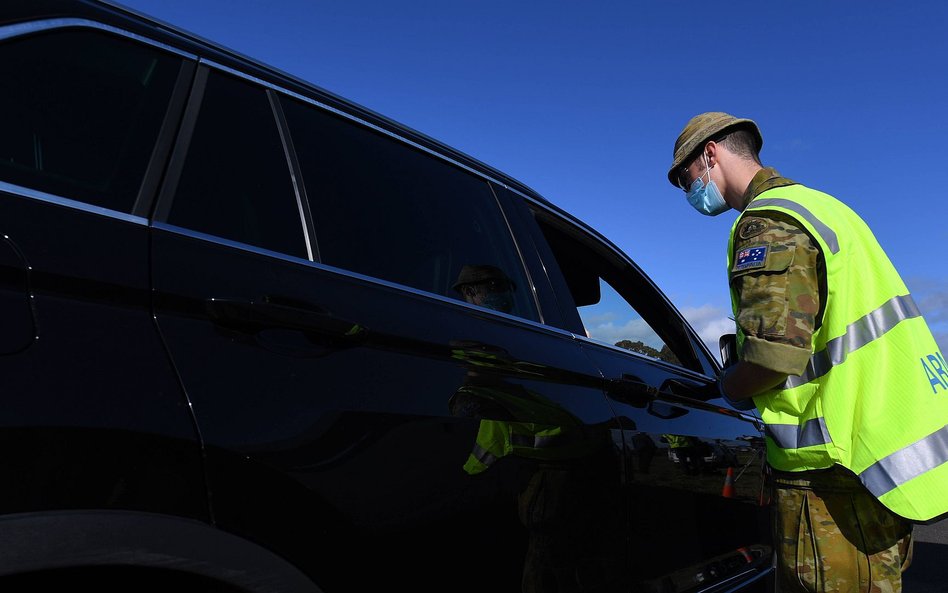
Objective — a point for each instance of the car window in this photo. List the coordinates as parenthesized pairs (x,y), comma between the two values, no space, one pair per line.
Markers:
(235,182)
(613,321)
(80,113)
(385,209)
(615,303)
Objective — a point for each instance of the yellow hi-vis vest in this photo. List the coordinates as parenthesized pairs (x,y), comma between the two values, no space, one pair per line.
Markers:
(677,441)
(874,395)
(498,438)
(544,431)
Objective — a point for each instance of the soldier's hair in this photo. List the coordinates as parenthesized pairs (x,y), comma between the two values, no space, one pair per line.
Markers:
(743,144)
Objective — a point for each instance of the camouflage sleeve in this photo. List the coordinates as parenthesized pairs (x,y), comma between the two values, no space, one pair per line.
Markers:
(776,277)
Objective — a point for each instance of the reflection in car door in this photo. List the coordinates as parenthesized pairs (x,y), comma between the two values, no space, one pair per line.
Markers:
(363,420)
(696,517)
(693,469)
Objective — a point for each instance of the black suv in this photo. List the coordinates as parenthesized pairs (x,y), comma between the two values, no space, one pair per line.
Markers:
(257,338)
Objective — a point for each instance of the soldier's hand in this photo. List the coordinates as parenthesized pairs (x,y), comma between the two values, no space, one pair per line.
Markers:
(738,404)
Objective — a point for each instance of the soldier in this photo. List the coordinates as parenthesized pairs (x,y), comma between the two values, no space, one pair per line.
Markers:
(486,286)
(835,356)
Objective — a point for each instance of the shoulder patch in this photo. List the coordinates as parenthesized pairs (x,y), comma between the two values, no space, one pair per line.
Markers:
(751,257)
(752,227)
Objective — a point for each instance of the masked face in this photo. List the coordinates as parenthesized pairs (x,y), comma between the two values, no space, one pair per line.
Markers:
(498,301)
(706,199)
(493,294)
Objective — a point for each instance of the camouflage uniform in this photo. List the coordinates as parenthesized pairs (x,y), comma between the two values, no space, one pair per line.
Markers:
(779,302)
(831,534)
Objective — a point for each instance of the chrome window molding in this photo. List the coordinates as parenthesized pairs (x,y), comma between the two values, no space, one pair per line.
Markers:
(15,31)
(292,165)
(309,101)
(30,27)
(20,29)
(348,116)
(33,194)
(523,262)
(548,329)
(678,369)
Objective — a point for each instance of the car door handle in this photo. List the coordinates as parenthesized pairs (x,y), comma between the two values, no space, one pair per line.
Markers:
(269,313)
(682,388)
(631,390)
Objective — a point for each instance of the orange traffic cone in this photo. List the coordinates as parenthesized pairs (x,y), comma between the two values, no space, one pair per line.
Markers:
(728,491)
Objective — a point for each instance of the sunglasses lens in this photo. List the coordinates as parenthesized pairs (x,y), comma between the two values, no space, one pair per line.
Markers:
(683,179)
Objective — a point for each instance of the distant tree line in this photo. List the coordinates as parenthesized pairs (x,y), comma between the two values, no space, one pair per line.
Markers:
(642,348)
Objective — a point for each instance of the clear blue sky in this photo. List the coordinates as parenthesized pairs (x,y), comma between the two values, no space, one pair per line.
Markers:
(583,100)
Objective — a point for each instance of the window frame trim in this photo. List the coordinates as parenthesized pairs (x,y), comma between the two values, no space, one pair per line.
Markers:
(41,196)
(273,92)
(162,200)
(404,288)
(146,197)
(592,237)
(276,90)
(16,30)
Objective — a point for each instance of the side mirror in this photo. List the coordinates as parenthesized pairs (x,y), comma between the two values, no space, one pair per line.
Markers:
(728,345)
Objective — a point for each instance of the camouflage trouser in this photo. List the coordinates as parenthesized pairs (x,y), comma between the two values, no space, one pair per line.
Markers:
(833,536)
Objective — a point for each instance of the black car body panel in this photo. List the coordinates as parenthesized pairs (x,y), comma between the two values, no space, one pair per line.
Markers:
(235,353)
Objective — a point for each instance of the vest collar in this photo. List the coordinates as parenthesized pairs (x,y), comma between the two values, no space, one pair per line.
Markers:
(766,178)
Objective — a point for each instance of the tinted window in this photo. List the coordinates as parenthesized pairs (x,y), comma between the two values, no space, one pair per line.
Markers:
(236,182)
(80,113)
(385,209)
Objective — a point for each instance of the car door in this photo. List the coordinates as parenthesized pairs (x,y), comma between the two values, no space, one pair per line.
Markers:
(697,507)
(356,411)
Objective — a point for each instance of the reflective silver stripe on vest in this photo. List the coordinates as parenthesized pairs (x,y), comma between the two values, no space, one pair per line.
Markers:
(898,468)
(859,333)
(539,442)
(792,436)
(829,237)
(483,455)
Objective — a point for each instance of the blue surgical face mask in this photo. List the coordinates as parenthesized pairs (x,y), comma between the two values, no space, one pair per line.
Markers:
(498,301)
(706,199)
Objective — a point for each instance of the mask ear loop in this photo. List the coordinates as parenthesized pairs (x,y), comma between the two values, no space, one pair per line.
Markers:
(707,163)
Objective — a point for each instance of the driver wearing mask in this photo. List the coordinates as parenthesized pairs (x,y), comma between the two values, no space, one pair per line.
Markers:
(486,286)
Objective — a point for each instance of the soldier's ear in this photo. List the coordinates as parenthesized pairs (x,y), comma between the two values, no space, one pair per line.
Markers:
(711,152)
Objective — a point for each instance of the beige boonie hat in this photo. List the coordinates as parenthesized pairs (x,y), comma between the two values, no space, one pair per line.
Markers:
(702,128)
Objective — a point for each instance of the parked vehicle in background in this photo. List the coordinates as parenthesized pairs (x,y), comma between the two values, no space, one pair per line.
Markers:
(258,338)
(713,454)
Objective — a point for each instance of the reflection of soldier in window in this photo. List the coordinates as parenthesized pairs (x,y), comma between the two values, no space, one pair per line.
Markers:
(486,286)
(687,450)
(567,501)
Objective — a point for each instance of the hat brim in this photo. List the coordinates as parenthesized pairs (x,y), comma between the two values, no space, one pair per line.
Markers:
(695,145)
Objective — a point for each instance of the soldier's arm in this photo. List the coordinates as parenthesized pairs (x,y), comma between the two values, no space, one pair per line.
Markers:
(746,379)
(778,303)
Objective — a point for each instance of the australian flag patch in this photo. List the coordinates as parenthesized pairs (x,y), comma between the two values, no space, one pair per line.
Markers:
(751,257)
